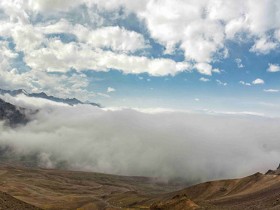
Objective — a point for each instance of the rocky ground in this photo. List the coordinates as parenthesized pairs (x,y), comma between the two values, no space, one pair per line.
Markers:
(9,202)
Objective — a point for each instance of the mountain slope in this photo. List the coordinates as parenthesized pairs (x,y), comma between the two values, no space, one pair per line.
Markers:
(257,191)
(60,189)
(11,114)
(9,202)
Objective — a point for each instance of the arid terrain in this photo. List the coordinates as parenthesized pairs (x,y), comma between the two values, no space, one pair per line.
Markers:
(57,189)
(25,188)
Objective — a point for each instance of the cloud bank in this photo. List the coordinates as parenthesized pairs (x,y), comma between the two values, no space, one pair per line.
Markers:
(197,147)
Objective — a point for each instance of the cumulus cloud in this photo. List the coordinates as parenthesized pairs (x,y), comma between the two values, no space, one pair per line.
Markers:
(171,24)
(258,81)
(53,55)
(200,38)
(168,144)
(273,67)
(264,46)
(112,37)
(200,29)
(60,57)
(204,68)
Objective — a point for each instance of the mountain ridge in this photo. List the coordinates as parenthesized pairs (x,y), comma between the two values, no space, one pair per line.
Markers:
(69,101)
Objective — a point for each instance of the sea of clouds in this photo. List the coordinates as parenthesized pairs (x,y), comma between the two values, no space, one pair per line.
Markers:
(167,144)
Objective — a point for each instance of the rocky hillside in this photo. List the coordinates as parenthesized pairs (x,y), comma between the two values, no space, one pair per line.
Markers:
(258,191)
(61,189)
(11,114)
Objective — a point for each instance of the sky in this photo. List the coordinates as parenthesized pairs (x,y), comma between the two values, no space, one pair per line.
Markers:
(206,55)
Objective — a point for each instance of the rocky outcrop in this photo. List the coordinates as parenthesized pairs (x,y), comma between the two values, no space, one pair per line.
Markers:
(274,172)
(11,114)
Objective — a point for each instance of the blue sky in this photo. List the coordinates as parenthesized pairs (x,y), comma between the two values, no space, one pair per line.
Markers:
(186,55)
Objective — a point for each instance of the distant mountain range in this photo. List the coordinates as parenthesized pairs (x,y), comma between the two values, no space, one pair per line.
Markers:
(13,115)
(69,101)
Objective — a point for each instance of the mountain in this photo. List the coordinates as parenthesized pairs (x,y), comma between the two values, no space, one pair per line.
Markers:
(274,172)
(258,191)
(11,114)
(62,189)
(69,101)
(13,92)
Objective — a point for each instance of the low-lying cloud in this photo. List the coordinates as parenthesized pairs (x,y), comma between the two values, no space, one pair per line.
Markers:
(196,147)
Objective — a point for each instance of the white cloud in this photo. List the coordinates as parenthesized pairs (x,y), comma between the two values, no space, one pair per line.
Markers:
(116,38)
(236,26)
(27,38)
(196,25)
(273,67)
(258,81)
(239,63)
(218,71)
(110,89)
(53,55)
(204,68)
(245,83)
(203,79)
(6,52)
(60,57)
(277,35)
(199,28)
(271,90)
(171,24)
(6,56)
(31,102)
(112,37)
(219,82)
(103,95)
(264,46)
(49,6)
(36,81)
